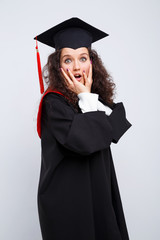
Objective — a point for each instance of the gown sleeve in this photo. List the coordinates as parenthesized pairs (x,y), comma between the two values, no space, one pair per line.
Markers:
(83,133)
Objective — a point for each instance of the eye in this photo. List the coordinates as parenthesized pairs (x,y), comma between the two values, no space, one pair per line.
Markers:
(83,59)
(68,60)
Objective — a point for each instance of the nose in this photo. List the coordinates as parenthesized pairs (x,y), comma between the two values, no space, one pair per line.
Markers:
(76,65)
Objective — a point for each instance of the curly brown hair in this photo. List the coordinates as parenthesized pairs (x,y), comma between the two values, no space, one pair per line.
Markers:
(102,80)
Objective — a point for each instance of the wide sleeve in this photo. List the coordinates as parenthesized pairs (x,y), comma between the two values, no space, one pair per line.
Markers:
(118,122)
(83,133)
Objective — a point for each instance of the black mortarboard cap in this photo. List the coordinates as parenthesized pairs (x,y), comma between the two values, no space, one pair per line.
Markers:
(73,33)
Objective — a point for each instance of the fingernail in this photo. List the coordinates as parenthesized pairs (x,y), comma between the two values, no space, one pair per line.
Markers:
(67,69)
(83,71)
(60,69)
(91,61)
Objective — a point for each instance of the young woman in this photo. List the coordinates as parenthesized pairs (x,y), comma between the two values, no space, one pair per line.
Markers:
(78,194)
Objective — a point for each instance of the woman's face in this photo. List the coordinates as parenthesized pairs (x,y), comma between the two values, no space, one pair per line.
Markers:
(76,60)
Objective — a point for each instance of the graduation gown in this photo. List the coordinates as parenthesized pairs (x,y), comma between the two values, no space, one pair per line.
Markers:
(78,196)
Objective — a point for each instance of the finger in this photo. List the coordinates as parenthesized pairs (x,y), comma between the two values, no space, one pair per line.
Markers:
(85,78)
(72,76)
(90,71)
(88,80)
(66,77)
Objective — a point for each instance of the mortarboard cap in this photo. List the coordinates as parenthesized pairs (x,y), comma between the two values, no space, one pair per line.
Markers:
(73,33)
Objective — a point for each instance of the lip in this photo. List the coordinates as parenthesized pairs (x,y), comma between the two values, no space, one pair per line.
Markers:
(79,78)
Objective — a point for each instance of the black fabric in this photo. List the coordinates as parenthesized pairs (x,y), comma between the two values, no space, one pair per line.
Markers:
(73,33)
(78,194)
(73,38)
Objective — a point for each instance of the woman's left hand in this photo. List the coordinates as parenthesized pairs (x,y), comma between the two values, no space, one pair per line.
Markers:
(77,86)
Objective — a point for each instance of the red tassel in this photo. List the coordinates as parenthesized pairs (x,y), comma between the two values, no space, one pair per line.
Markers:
(39,70)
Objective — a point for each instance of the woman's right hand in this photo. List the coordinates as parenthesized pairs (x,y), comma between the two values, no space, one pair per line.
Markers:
(77,86)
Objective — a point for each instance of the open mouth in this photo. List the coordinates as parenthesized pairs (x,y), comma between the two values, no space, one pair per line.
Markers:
(78,76)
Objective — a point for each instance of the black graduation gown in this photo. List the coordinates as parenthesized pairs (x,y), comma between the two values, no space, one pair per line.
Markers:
(78,195)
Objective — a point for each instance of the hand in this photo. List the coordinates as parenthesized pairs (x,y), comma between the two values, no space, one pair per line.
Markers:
(76,86)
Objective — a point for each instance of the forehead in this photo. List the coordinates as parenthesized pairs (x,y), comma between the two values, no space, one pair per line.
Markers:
(73,52)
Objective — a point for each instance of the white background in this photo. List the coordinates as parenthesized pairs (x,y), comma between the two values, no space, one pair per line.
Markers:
(132,55)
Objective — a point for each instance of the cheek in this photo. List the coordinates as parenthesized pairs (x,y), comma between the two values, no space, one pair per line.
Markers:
(65,66)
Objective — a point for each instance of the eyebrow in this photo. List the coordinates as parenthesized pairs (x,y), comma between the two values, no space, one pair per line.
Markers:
(67,55)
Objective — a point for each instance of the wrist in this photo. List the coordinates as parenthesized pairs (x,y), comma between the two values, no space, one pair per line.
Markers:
(84,91)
